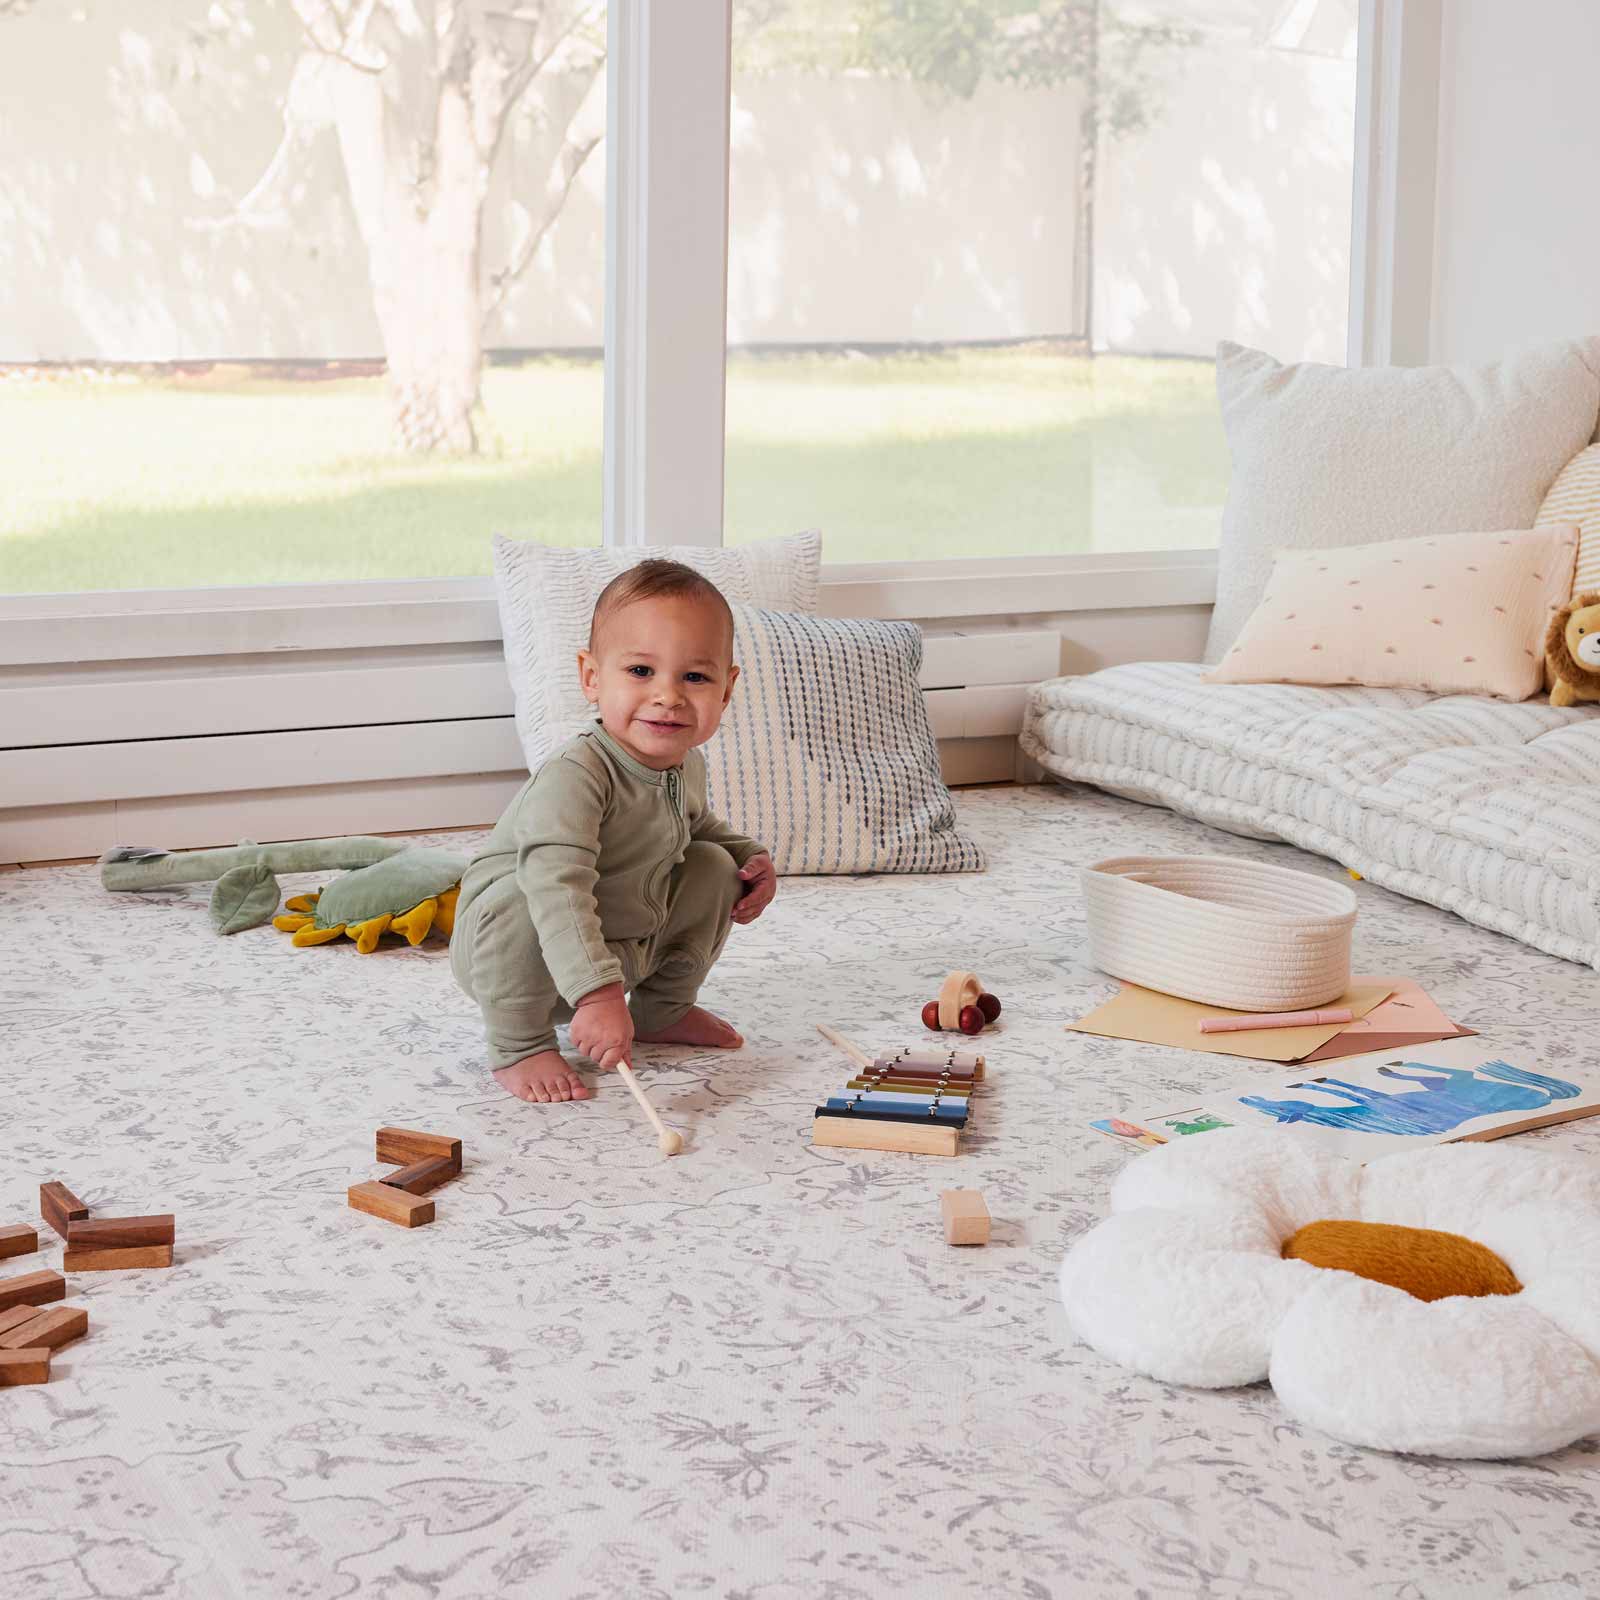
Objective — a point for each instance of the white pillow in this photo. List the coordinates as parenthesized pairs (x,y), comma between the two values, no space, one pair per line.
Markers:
(1330,456)
(547,594)
(826,754)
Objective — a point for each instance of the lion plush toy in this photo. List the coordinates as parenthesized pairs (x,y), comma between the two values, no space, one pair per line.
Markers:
(1572,650)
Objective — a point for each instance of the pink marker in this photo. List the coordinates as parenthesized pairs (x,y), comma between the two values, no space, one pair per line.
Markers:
(1276,1019)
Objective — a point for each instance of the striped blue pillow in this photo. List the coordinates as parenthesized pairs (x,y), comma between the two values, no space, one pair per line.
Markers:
(826,754)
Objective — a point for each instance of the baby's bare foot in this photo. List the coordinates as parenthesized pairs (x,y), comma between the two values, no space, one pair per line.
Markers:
(542,1078)
(697,1026)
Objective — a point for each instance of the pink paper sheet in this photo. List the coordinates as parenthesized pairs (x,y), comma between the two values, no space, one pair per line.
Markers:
(1408,1017)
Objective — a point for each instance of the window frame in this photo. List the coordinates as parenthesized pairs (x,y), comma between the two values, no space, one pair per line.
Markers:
(666,292)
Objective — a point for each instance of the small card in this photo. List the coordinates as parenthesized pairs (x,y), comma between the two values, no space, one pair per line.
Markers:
(1409,1016)
(1125,1132)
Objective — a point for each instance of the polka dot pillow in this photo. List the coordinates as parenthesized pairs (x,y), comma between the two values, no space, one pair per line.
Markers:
(1464,613)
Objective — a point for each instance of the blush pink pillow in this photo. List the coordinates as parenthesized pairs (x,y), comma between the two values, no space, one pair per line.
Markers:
(1464,613)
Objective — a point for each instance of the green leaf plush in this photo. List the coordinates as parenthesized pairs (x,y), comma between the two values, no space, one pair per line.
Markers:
(244,897)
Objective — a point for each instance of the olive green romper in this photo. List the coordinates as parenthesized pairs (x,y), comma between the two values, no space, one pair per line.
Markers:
(602,870)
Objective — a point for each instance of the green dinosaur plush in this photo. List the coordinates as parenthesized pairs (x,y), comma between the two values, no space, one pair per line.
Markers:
(394,887)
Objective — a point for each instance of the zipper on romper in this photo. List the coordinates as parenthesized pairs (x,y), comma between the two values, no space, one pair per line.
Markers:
(675,795)
(674,788)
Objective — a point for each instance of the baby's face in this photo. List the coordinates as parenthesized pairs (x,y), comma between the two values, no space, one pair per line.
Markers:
(660,675)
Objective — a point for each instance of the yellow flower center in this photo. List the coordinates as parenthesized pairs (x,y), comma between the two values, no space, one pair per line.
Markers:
(1423,1261)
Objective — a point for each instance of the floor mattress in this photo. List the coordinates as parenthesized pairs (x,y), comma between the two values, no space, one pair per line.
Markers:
(1487,809)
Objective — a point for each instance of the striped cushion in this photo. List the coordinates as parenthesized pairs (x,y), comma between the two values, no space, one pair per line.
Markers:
(1575,497)
(826,754)
(547,594)
(1489,809)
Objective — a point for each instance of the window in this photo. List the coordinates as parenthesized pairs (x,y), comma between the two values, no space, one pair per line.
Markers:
(293,295)
(979,255)
(981,252)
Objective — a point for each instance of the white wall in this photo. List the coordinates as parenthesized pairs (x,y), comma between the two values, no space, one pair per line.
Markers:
(1517,232)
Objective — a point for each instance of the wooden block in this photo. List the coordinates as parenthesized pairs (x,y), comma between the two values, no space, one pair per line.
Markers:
(403,1146)
(393,1205)
(119,1233)
(966,1217)
(48,1329)
(423,1176)
(18,1240)
(16,1316)
(32,1289)
(58,1205)
(851,1131)
(118,1260)
(24,1366)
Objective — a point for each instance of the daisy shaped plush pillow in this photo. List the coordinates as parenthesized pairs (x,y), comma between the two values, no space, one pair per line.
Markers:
(1441,1302)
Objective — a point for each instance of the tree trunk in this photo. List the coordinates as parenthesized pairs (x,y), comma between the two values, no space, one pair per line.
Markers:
(426,295)
(423,231)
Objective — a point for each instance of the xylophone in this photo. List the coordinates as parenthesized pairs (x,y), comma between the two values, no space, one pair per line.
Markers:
(913,1100)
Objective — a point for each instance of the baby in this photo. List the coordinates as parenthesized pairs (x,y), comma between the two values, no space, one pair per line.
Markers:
(608,876)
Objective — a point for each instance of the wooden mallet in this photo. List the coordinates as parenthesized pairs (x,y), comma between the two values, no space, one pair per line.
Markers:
(670,1143)
(849,1046)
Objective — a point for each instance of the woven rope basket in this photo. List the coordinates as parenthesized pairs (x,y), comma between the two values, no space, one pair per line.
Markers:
(1221,931)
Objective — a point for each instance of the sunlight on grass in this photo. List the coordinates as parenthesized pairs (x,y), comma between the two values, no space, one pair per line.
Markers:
(974,452)
(178,482)
(233,477)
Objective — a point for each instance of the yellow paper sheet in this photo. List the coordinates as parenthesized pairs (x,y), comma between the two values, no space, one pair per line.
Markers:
(1150,1017)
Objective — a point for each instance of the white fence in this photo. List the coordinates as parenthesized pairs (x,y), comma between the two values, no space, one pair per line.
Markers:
(862,210)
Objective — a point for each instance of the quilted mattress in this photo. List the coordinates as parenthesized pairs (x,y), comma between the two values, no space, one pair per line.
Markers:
(1488,809)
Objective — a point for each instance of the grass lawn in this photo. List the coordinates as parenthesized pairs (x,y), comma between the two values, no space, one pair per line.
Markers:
(232,477)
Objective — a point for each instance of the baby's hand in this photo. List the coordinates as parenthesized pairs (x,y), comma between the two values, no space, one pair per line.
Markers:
(760,881)
(602,1027)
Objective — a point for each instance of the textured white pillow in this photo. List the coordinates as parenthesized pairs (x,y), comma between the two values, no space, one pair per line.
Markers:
(1331,456)
(547,594)
(826,754)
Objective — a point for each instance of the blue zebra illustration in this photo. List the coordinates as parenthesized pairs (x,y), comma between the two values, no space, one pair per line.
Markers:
(1442,1100)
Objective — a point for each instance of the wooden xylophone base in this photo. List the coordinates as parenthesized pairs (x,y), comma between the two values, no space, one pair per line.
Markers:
(850,1131)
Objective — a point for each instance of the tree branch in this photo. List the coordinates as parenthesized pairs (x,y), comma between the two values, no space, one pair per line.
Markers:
(329,30)
(307,113)
(374,69)
(531,17)
(573,156)
(531,69)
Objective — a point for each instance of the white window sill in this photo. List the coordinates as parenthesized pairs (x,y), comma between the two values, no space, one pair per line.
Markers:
(143,623)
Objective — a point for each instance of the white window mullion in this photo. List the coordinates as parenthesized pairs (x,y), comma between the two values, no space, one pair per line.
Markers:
(666,270)
(1396,155)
